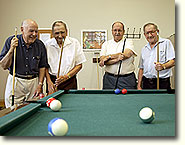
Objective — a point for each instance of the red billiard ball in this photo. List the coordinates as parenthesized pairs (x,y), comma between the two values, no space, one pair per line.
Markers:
(124,91)
(41,95)
(48,102)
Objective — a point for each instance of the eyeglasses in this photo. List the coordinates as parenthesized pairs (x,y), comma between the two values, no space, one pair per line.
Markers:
(150,32)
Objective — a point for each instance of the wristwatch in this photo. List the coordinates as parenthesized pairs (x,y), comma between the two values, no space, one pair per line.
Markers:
(164,67)
(68,76)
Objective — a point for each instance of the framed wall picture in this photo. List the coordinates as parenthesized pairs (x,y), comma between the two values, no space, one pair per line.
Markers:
(44,34)
(93,39)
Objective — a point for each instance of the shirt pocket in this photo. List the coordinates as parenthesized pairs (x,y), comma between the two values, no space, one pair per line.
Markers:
(35,63)
(162,56)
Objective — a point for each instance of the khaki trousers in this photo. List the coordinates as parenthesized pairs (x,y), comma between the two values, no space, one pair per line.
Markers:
(24,90)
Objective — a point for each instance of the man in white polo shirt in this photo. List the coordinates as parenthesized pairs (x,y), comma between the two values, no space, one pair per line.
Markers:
(71,62)
(148,67)
(110,57)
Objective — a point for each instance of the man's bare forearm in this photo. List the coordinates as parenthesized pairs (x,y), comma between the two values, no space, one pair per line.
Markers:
(7,60)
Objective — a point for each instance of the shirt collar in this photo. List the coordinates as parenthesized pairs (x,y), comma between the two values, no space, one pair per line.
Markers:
(160,41)
(23,42)
(119,41)
(66,42)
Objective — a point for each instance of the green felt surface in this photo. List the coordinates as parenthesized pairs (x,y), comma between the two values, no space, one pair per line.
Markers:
(104,114)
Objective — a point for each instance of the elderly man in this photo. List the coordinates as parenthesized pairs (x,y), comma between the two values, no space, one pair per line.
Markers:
(148,67)
(31,61)
(110,57)
(72,58)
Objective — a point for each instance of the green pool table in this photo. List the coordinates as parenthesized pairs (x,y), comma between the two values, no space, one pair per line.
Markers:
(96,113)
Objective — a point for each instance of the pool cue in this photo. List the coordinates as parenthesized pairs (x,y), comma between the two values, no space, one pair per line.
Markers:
(13,89)
(157,62)
(120,65)
(97,70)
(60,60)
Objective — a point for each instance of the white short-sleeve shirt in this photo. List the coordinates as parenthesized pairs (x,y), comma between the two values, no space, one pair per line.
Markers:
(149,56)
(112,47)
(72,55)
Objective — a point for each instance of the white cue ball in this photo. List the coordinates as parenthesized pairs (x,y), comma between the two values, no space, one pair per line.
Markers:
(147,115)
(55,105)
(57,127)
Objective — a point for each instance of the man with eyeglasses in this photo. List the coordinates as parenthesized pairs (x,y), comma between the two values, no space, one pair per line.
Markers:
(148,66)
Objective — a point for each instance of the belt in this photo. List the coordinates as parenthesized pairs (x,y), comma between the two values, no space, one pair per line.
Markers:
(28,77)
(154,79)
(119,75)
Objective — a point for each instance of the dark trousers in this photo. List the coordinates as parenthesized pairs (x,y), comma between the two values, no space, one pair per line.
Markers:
(151,83)
(127,81)
(69,84)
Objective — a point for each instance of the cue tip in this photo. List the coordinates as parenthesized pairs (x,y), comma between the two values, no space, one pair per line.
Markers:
(15,28)
(15,31)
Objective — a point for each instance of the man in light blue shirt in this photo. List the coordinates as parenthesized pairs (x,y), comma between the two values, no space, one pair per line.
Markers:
(148,66)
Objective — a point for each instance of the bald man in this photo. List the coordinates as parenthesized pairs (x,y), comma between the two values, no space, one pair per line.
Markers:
(31,63)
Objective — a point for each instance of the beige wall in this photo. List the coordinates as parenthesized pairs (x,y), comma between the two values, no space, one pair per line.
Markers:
(86,14)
